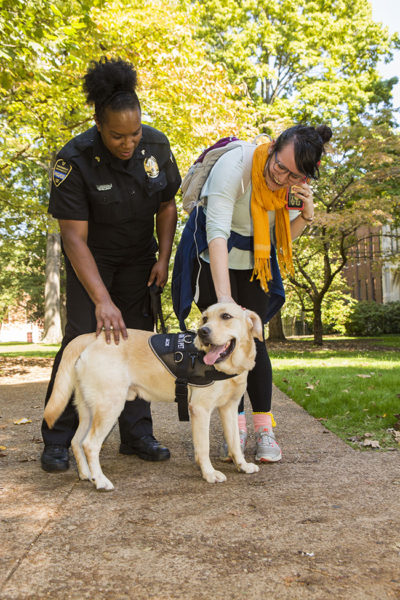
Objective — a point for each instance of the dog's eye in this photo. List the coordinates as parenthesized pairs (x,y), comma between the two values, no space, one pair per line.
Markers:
(226,316)
(205,319)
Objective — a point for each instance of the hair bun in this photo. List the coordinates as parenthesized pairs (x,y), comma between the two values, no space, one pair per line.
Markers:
(107,77)
(325,133)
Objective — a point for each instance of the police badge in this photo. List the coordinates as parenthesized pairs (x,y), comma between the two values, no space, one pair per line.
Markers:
(151,167)
(61,171)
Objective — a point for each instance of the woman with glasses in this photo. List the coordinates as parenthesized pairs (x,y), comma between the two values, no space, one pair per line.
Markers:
(249,233)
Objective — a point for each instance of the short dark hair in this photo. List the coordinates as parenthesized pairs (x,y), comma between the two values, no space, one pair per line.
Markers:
(111,83)
(308,146)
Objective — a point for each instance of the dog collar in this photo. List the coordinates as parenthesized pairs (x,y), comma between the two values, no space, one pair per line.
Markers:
(181,358)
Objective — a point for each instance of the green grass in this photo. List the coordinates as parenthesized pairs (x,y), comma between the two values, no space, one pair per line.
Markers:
(28,350)
(392,341)
(389,340)
(353,392)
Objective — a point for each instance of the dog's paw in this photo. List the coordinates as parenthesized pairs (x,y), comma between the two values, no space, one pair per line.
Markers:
(246,467)
(214,477)
(103,484)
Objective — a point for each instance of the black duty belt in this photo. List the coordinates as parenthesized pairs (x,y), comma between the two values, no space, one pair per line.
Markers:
(184,361)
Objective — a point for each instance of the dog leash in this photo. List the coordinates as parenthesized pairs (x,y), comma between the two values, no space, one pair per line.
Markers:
(156,307)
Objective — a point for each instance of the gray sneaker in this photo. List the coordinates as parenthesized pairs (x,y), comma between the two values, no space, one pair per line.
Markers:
(267,449)
(224,456)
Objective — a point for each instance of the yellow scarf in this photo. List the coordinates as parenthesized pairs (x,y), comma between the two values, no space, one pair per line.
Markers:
(263,200)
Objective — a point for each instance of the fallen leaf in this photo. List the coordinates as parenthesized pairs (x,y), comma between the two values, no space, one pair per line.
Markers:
(362,375)
(371,443)
(309,386)
(22,421)
(396,436)
(3,447)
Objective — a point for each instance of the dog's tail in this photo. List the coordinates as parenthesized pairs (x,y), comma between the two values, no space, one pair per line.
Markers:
(65,381)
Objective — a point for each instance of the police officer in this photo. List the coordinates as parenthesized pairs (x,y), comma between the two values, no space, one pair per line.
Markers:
(108,183)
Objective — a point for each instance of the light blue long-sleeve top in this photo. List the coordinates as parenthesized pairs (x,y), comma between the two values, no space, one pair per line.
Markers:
(227,194)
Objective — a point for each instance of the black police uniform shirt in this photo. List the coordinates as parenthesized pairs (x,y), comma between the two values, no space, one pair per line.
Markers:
(118,198)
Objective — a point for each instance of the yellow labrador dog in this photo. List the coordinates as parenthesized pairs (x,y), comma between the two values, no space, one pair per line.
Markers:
(104,376)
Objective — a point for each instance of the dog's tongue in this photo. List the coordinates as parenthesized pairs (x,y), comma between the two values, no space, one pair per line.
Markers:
(212,356)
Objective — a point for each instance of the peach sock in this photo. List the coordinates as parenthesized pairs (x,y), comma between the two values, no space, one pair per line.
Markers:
(242,421)
(263,420)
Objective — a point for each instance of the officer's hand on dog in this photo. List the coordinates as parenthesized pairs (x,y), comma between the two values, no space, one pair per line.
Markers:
(109,320)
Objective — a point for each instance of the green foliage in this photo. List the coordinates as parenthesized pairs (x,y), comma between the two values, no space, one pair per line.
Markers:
(336,302)
(369,318)
(304,60)
(359,187)
(44,51)
(335,308)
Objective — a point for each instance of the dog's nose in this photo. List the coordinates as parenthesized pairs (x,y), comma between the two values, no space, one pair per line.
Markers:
(203,332)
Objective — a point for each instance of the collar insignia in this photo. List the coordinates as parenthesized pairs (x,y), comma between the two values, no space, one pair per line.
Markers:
(151,167)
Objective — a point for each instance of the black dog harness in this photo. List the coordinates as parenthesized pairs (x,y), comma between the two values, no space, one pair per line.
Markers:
(184,361)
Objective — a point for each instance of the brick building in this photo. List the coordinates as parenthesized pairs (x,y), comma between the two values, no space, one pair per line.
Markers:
(370,273)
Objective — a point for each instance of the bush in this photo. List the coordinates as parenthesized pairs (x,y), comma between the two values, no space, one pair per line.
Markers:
(392,317)
(370,318)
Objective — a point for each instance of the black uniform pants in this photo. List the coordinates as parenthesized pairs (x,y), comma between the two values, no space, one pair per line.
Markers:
(127,284)
(250,295)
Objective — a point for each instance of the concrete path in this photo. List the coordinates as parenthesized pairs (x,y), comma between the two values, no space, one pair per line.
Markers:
(323,523)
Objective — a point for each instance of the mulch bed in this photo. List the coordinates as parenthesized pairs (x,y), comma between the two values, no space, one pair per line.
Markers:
(23,369)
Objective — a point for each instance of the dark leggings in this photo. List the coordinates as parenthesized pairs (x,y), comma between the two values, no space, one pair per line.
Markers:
(249,295)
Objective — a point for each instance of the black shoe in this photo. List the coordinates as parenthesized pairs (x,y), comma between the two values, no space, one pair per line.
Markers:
(147,448)
(55,459)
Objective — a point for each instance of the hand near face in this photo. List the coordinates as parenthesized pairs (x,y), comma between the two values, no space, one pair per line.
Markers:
(303,192)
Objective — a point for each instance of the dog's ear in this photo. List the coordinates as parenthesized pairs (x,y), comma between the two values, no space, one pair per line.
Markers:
(256,324)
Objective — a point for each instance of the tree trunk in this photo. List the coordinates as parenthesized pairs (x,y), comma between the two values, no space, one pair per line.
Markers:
(317,325)
(52,320)
(275,328)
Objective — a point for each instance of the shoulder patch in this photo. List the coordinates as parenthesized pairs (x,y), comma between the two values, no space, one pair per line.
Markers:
(61,171)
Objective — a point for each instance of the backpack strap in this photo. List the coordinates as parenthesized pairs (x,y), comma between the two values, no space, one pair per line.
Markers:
(197,174)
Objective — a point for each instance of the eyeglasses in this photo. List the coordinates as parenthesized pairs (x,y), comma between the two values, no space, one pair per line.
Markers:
(285,171)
